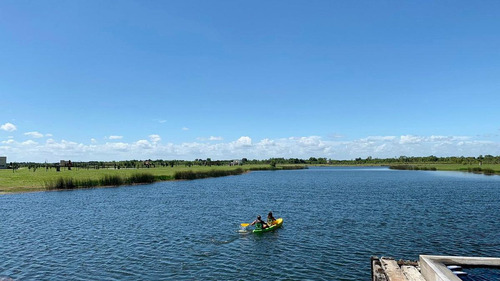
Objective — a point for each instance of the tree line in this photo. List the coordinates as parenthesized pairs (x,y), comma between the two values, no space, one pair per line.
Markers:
(149,163)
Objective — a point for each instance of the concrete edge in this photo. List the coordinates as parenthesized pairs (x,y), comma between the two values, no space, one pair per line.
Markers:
(434,268)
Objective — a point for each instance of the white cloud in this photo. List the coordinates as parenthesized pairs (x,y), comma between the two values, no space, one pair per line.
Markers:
(143,144)
(115,137)
(49,135)
(117,146)
(211,138)
(93,141)
(244,141)
(379,138)
(154,138)
(292,147)
(9,127)
(35,135)
(409,139)
(309,141)
(267,142)
(29,142)
(185,129)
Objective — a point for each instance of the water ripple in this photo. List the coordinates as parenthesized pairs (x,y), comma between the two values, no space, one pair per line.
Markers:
(335,219)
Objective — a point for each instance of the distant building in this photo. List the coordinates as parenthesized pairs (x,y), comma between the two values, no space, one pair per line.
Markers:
(64,163)
(236,163)
(3,162)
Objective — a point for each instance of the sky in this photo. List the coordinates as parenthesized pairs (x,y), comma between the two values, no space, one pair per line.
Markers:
(117,80)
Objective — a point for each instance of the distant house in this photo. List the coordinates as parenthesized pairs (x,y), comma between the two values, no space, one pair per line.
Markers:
(64,163)
(3,162)
(235,163)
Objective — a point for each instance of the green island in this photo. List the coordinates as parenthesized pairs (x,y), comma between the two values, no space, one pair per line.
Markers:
(30,177)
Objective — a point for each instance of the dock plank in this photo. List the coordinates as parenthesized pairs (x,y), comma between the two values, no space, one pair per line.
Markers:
(392,270)
(412,273)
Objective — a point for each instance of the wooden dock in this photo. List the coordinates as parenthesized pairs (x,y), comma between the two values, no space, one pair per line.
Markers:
(388,269)
(427,268)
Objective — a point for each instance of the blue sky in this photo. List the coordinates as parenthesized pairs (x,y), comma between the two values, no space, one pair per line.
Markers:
(113,80)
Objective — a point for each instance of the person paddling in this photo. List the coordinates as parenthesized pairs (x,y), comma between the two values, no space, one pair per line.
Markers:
(270,219)
(259,223)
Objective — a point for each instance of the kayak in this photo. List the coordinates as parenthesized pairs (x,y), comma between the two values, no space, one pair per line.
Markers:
(277,224)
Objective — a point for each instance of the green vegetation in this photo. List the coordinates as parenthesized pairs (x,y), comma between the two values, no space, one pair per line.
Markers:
(193,175)
(106,180)
(412,167)
(487,169)
(26,179)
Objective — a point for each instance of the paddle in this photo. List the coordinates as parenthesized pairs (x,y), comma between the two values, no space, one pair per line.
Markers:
(245,224)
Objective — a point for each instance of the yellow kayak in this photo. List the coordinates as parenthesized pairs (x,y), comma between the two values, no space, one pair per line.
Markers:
(277,224)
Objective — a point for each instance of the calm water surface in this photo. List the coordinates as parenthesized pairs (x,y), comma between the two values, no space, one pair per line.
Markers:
(334,220)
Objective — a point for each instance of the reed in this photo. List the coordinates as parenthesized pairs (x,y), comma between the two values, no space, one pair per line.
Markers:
(402,167)
(488,171)
(86,183)
(60,183)
(193,175)
(478,170)
(141,178)
(294,167)
(111,180)
(164,178)
(412,167)
(274,168)
(66,183)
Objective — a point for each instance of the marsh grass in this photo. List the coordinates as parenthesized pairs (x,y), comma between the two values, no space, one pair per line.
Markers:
(412,167)
(111,180)
(278,167)
(478,170)
(141,178)
(193,175)
(26,180)
(492,170)
(66,183)
(163,178)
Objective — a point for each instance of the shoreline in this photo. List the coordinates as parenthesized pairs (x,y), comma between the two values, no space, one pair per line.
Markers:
(73,180)
(97,178)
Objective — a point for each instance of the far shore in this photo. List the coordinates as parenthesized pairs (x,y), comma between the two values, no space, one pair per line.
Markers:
(26,180)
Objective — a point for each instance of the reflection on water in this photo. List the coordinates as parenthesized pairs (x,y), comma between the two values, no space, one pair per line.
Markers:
(334,220)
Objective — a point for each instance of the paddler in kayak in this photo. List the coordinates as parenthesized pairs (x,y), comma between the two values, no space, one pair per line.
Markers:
(270,219)
(259,223)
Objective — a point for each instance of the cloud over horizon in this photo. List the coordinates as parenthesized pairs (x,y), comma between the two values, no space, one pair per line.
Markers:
(246,147)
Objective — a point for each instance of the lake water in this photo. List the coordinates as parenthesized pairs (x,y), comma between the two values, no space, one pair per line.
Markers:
(334,220)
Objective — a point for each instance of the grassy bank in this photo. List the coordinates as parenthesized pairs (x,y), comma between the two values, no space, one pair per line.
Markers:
(26,180)
(487,169)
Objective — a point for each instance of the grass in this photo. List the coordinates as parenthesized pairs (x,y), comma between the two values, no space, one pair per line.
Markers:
(107,180)
(413,167)
(487,169)
(193,175)
(25,180)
